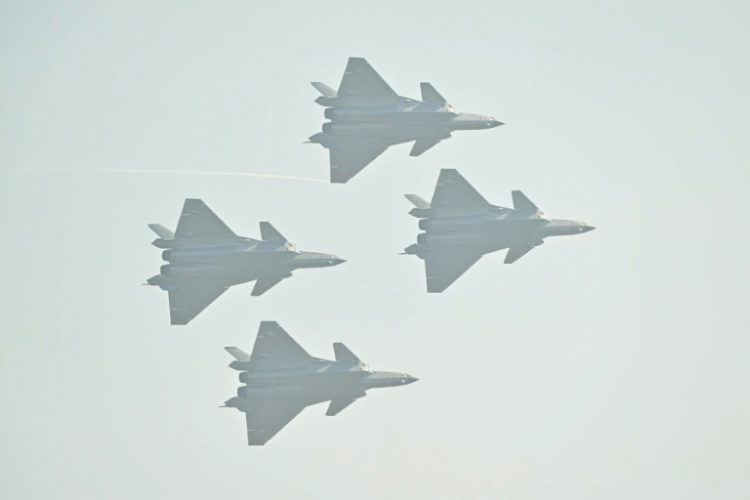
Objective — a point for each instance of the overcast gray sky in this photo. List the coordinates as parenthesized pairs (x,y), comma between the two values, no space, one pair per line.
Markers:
(609,365)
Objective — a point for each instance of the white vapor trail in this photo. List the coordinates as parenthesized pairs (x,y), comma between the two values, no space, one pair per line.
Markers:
(172,172)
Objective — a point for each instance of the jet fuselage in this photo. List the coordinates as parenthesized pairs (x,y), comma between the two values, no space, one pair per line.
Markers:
(280,379)
(460,226)
(490,229)
(367,117)
(205,257)
(403,121)
(320,380)
(239,262)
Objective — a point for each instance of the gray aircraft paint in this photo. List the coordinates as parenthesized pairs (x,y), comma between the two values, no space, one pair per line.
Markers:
(460,226)
(281,379)
(367,117)
(204,258)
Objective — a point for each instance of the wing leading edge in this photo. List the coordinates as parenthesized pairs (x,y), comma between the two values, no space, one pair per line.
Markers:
(267,417)
(188,298)
(348,156)
(274,346)
(444,267)
(199,221)
(363,84)
(452,190)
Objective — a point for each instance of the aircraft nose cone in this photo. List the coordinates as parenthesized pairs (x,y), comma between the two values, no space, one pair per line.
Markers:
(588,228)
(336,261)
(496,123)
(410,380)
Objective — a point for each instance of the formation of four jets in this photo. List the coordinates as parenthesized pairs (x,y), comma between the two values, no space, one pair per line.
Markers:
(204,257)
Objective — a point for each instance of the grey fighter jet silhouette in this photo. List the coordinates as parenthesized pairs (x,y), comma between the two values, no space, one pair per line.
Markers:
(367,117)
(204,258)
(281,379)
(460,226)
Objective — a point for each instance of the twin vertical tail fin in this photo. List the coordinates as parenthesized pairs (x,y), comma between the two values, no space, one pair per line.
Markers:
(162,231)
(238,353)
(417,201)
(328,96)
(165,239)
(324,89)
(421,207)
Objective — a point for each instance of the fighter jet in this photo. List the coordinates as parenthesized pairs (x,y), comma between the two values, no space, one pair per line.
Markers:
(460,226)
(281,379)
(367,117)
(204,258)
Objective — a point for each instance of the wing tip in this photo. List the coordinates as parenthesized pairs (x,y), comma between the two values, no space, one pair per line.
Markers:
(267,323)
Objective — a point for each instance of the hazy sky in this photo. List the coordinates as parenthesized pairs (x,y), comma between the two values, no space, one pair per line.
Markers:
(609,365)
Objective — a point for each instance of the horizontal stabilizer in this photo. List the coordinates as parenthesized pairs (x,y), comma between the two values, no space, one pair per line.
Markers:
(412,249)
(162,231)
(429,94)
(522,202)
(238,353)
(515,253)
(344,354)
(159,280)
(270,233)
(417,201)
(337,405)
(324,89)
(422,145)
(263,285)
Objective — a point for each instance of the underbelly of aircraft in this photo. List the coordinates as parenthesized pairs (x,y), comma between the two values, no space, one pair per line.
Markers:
(387,131)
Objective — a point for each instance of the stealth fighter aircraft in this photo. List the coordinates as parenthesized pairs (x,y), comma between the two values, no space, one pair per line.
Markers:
(204,258)
(282,379)
(367,117)
(460,226)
